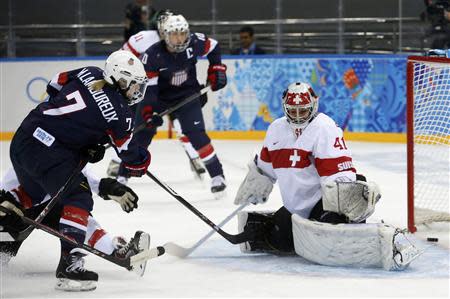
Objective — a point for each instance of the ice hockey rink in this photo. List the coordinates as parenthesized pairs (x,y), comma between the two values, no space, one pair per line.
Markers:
(218,268)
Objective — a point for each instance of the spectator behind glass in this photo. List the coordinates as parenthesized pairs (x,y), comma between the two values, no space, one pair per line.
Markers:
(438,14)
(248,45)
(137,16)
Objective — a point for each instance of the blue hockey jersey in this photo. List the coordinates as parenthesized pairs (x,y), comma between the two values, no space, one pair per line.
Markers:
(77,115)
(173,76)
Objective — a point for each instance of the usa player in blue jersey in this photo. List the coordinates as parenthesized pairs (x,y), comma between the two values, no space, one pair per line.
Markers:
(171,68)
(88,107)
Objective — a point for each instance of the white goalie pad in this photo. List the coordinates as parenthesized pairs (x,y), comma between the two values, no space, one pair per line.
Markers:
(255,188)
(354,245)
(356,200)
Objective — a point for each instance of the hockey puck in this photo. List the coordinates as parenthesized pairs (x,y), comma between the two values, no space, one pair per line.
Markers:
(429,239)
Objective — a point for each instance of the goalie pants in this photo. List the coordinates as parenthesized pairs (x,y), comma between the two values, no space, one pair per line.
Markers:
(192,124)
(277,228)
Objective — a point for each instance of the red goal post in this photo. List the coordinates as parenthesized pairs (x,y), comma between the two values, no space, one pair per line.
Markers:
(428,140)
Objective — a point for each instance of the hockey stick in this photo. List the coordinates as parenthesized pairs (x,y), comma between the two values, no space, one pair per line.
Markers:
(172,109)
(127,263)
(182,252)
(234,239)
(175,107)
(22,235)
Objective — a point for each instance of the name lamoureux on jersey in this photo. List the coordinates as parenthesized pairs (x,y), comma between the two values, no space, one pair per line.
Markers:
(301,164)
(77,115)
(173,76)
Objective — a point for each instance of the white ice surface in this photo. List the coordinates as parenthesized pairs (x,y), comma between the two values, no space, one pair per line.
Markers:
(218,269)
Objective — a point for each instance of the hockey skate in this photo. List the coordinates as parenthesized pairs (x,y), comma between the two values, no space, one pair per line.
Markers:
(137,244)
(218,186)
(113,169)
(197,167)
(71,274)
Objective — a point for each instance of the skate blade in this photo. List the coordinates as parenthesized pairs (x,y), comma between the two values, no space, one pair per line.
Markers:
(69,285)
(144,244)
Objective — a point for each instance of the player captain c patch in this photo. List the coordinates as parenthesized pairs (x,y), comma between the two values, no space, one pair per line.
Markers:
(179,78)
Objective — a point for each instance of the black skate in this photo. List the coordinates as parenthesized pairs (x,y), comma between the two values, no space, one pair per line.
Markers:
(71,274)
(218,186)
(137,244)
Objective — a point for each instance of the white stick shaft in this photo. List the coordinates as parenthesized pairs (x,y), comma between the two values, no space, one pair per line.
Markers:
(179,251)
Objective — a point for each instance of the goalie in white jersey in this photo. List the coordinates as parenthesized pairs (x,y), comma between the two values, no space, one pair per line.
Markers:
(306,153)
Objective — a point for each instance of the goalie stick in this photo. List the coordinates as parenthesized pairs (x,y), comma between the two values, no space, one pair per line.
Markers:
(127,263)
(234,239)
(182,252)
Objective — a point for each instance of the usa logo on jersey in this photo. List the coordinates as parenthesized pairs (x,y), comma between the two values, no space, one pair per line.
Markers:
(179,78)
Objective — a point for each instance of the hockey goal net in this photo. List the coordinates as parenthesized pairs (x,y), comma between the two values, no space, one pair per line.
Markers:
(428,140)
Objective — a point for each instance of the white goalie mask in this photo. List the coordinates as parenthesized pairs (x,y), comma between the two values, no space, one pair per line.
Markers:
(176,33)
(125,71)
(300,104)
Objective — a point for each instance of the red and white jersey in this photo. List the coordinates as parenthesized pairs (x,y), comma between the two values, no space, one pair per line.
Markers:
(301,163)
(141,41)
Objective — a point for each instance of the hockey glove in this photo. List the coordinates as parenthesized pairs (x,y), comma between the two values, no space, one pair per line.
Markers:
(217,76)
(255,188)
(136,169)
(11,212)
(93,153)
(111,189)
(152,119)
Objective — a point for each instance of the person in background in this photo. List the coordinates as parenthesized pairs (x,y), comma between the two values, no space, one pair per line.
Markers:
(248,45)
(137,16)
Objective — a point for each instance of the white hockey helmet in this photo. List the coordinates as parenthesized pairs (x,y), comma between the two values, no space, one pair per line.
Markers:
(176,33)
(161,18)
(125,71)
(300,104)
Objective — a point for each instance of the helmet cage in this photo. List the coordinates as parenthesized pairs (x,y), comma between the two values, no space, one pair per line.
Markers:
(300,104)
(176,24)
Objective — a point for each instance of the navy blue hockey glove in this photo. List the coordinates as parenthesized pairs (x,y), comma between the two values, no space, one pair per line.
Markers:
(217,76)
(111,189)
(11,212)
(137,169)
(152,119)
(93,153)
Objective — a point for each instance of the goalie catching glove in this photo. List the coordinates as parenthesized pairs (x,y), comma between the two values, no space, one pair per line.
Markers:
(356,200)
(255,188)
(112,189)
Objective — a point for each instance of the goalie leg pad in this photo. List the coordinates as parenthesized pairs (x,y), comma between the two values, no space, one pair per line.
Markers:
(355,245)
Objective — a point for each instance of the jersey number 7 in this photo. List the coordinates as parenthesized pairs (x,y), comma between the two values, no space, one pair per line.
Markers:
(79,104)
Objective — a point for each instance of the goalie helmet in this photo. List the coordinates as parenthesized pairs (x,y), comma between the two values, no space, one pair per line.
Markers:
(126,72)
(300,104)
(176,33)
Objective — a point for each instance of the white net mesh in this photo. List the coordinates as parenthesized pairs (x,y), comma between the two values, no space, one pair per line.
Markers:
(431,141)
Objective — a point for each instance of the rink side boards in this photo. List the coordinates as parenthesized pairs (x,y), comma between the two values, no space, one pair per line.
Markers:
(259,135)
(22,90)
